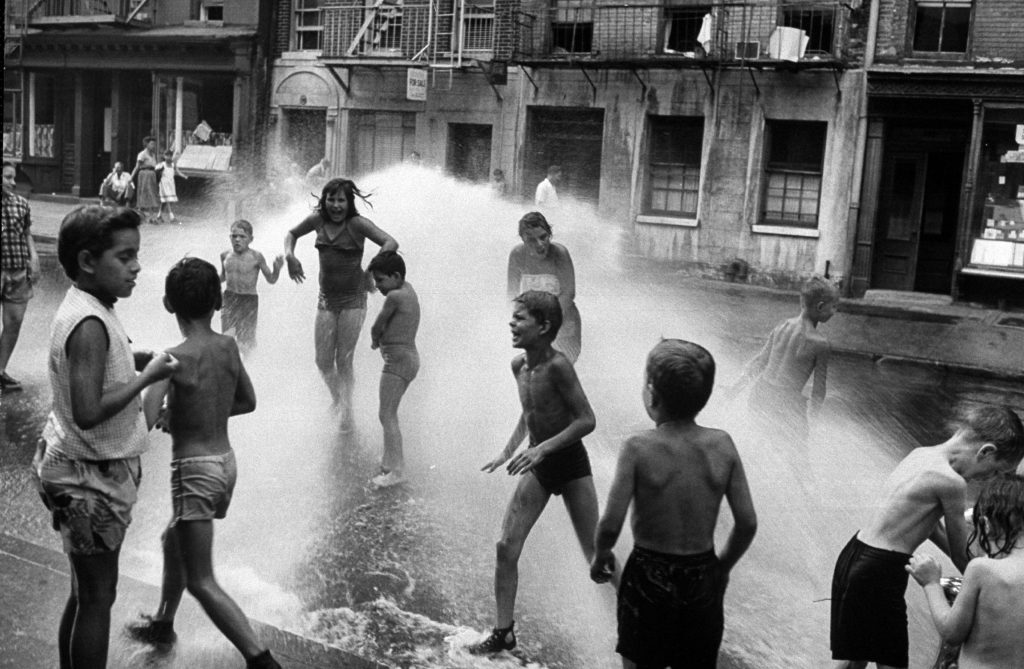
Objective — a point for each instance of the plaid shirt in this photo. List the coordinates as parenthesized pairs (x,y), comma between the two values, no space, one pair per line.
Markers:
(14,232)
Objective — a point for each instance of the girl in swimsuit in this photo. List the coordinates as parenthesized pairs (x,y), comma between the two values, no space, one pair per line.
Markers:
(341,306)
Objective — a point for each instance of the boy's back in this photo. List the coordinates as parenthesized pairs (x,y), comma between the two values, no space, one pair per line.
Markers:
(795,347)
(203,394)
(922,489)
(995,639)
(681,475)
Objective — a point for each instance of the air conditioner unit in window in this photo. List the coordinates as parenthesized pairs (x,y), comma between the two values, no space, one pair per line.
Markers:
(747,50)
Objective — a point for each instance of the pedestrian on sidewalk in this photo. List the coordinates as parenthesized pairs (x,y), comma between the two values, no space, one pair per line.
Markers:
(165,172)
(116,189)
(545,197)
(147,195)
(19,269)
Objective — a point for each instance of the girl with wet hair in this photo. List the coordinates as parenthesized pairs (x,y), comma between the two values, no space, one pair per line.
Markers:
(987,616)
(341,306)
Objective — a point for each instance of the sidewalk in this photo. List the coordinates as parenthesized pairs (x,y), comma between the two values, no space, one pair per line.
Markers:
(885,326)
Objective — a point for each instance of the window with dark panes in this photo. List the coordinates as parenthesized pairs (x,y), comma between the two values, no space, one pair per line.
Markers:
(942,26)
(572,26)
(682,26)
(673,168)
(817,21)
(309,28)
(795,152)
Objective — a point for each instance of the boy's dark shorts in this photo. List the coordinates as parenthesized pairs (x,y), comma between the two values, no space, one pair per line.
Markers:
(670,609)
(565,465)
(869,612)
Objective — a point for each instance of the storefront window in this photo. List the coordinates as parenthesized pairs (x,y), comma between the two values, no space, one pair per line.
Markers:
(998,241)
(12,114)
(42,115)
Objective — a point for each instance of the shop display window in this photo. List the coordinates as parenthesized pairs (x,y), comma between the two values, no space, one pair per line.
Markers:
(42,116)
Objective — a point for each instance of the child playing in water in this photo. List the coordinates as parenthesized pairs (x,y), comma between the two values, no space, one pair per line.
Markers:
(988,614)
(394,333)
(208,387)
(240,270)
(87,464)
(557,415)
(670,598)
(166,171)
(794,351)
(869,614)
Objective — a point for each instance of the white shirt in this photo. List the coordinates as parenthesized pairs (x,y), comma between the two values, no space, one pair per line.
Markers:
(546,195)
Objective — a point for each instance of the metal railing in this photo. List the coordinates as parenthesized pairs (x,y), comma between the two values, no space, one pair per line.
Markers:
(761,30)
(120,10)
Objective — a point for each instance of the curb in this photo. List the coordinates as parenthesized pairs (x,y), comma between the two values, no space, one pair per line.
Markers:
(938,365)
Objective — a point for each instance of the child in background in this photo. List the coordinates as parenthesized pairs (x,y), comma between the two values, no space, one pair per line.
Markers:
(675,476)
(869,613)
(794,351)
(87,463)
(988,615)
(165,172)
(394,333)
(240,270)
(209,386)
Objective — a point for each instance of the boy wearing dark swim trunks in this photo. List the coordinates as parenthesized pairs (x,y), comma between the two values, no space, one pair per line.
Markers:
(394,333)
(209,386)
(556,415)
(869,613)
(675,476)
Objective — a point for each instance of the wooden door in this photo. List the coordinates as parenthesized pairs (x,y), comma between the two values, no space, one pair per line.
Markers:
(899,222)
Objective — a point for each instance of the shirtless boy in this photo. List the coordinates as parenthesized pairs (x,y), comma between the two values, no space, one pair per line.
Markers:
(556,415)
(987,617)
(240,270)
(869,614)
(794,351)
(394,333)
(670,598)
(209,386)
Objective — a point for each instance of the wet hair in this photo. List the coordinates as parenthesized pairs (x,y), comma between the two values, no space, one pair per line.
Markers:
(682,375)
(192,288)
(91,228)
(817,289)
(351,191)
(387,262)
(1001,505)
(544,308)
(997,425)
(244,224)
(534,220)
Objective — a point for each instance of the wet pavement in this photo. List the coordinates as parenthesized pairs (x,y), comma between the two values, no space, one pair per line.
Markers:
(403,576)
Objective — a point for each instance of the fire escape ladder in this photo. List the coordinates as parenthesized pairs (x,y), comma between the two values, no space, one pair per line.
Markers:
(371,14)
(445,37)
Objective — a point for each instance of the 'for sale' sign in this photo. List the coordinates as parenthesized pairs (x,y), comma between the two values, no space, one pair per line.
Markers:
(415,84)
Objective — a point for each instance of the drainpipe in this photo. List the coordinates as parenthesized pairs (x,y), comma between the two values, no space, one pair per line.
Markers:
(858,154)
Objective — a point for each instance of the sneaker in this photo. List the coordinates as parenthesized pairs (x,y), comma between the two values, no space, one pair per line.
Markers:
(155,632)
(387,479)
(499,640)
(8,384)
(263,661)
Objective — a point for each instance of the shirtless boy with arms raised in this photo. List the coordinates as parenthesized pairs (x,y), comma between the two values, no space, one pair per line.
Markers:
(869,613)
(394,333)
(675,476)
(794,351)
(209,386)
(240,269)
(557,415)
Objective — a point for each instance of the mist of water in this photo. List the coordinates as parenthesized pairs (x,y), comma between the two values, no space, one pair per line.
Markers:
(308,546)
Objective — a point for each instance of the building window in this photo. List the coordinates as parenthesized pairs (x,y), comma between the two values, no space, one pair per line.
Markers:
(478,26)
(12,114)
(42,115)
(817,22)
(212,10)
(309,26)
(572,27)
(383,36)
(673,169)
(796,150)
(942,26)
(683,26)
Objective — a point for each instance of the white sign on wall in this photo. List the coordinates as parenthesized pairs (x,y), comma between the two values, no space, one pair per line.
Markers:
(416,84)
(1020,135)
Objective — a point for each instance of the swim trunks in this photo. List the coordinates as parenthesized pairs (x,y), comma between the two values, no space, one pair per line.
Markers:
(670,609)
(91,500)
(402,360)
(869,612)
(568,464)
(239,314)
(201,486)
